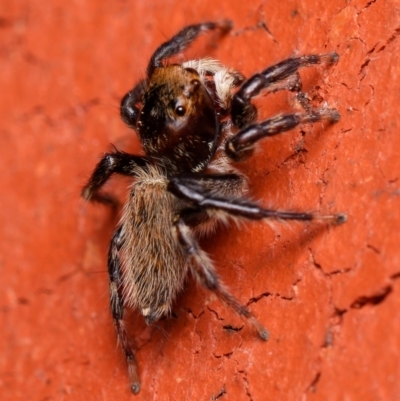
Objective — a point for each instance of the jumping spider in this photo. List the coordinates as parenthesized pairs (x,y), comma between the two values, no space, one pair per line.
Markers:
(192,125)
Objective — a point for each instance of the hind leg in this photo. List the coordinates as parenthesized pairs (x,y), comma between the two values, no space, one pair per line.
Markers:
(204,272)
(117,308)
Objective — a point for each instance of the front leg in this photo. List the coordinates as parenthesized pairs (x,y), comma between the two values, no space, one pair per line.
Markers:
(241,145)
(118,162)
(243,112)
(182,40)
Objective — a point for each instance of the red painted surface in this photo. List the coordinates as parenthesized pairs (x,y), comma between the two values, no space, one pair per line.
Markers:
(330,296)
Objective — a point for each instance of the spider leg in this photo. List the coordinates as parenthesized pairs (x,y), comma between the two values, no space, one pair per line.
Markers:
(243,112)
(204,272)
(241,145)
(182,40)
(117,307)
(128,109)
(191,190)
(117,162)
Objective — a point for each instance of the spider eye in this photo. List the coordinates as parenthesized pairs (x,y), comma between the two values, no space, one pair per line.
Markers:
(180,111)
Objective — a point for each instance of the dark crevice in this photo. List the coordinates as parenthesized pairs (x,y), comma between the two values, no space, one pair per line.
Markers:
(246,384)
(374,299)
(230,328)
(390,40)
(227,355)
(366,6)
(314,383)
(363,67)
(373,248)
(286,298)
(371,50)
(215,313)
(335,272)
(219,395)
(316,264)
(256,299)
(332,273)
(190,312)
(339,313)
(395,276)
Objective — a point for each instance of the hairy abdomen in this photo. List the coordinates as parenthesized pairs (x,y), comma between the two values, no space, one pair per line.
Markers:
(154,265)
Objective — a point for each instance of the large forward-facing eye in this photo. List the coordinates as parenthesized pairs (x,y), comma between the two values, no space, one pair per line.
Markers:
(180,110)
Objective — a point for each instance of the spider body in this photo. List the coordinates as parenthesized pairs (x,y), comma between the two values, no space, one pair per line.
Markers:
(192,126)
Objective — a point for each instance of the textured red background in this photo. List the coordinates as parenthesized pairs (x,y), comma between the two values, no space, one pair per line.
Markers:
(330,296)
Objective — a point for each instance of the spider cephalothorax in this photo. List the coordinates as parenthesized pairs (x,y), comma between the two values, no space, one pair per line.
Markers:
(193,124)
(177,121)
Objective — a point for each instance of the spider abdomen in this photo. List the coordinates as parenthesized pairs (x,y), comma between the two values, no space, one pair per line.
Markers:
(154,265)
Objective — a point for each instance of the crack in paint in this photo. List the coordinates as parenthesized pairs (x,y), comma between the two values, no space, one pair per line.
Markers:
(220,394)
(313,385)
(394,36)
(215,313)
(376,50)
(366,6)
(246,383)
(231,328)
(191,313)
(257,298)
(373,299)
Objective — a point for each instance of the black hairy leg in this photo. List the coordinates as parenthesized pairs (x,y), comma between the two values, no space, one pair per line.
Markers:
(243,112)
(204,271)
(117,162)
(228,185)
(117,308)
(240,146)
(182,40)
(191,190)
